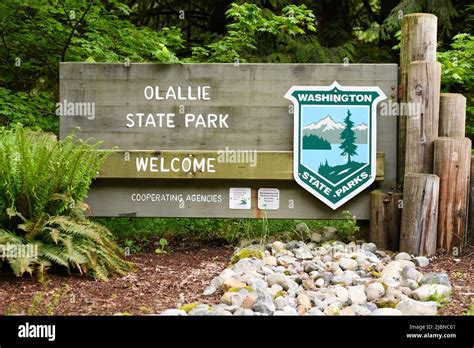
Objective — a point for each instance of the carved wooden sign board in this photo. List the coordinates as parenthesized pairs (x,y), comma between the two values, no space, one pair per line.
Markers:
(225,140)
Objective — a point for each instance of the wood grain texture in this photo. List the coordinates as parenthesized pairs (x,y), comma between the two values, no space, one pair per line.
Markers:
(422,128)
(259,119)
(420,214)
(453,166)
(270,165)
(385,218)
(418,42)
(113,197)
(471,214)
(252,95)
(452,115)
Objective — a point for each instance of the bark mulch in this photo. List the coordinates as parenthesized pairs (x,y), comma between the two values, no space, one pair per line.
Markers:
(160,282)
(460,270)
(163,281)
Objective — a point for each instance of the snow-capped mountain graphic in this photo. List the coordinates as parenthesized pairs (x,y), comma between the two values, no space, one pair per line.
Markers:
(330,130)
(361,127)
(325,124)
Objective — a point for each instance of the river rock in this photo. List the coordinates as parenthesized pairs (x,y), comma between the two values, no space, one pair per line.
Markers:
(392,270)
(304,301)
(411,273)
(285,260)
(209,290)
(360,310)
(263,303)
(371,247)
(329,233)
(375,291)
(347,264)
(412,307)
(341,293)
(248,265)
(278,246)
(270,260)
(403,256)
(435,292)
(232,298)
(421,261)
(281,302)
(357,294)
(303,252)
(282,280)
(436,278)
(319,282)
(308,284)
(233,283)
(316,237)
(201,309)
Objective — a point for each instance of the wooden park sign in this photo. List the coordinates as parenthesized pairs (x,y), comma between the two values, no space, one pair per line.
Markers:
(218,140)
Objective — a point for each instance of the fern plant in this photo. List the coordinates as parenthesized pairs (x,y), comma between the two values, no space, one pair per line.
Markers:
(43,183)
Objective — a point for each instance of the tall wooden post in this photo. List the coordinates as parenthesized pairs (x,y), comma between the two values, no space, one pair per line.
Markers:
(420,214)
(385,218)
(453,166)
(424,82)
(471,215)
(418,42)
(452,115)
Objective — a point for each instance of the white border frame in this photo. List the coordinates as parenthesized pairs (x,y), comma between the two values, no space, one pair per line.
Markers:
(373,137)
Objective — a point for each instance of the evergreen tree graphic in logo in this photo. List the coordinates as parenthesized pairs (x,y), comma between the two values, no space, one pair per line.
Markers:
(334,140)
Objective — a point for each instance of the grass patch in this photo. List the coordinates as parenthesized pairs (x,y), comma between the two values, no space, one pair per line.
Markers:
(136,233)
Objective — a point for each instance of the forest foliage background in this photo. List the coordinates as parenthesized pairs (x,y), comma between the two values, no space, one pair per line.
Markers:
(36,35)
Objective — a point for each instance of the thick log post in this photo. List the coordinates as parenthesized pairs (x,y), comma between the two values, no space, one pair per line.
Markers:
(452,115)
(418,42)
(385,218)
(471,215)
(453,166)
(420,214)
(422,126)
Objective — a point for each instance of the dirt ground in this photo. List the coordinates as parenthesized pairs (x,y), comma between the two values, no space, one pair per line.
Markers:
(160,282)
(163,281)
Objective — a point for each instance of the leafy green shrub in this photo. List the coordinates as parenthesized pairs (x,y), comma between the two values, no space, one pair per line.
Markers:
(457,73)
(32,109)
(347,229)
(44,182)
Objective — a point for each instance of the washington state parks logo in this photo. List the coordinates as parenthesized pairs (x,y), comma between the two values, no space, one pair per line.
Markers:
(334,139)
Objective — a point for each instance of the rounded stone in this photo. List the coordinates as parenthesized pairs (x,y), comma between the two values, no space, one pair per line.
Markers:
(347,264)
(375,291)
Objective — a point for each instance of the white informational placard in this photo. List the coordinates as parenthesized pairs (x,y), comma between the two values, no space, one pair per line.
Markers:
(240,198)
(269,199)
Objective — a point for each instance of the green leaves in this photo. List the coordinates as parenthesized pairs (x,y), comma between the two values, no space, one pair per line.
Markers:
(457,73)
(458,63)
(41,206)
(250,27)
(43,175)
(36,35)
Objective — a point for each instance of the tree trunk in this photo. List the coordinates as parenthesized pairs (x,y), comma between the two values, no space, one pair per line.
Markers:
(418,42)
(452,115)
(422,127)
(420,214)
(385,218)
(453,166)
(471,215)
